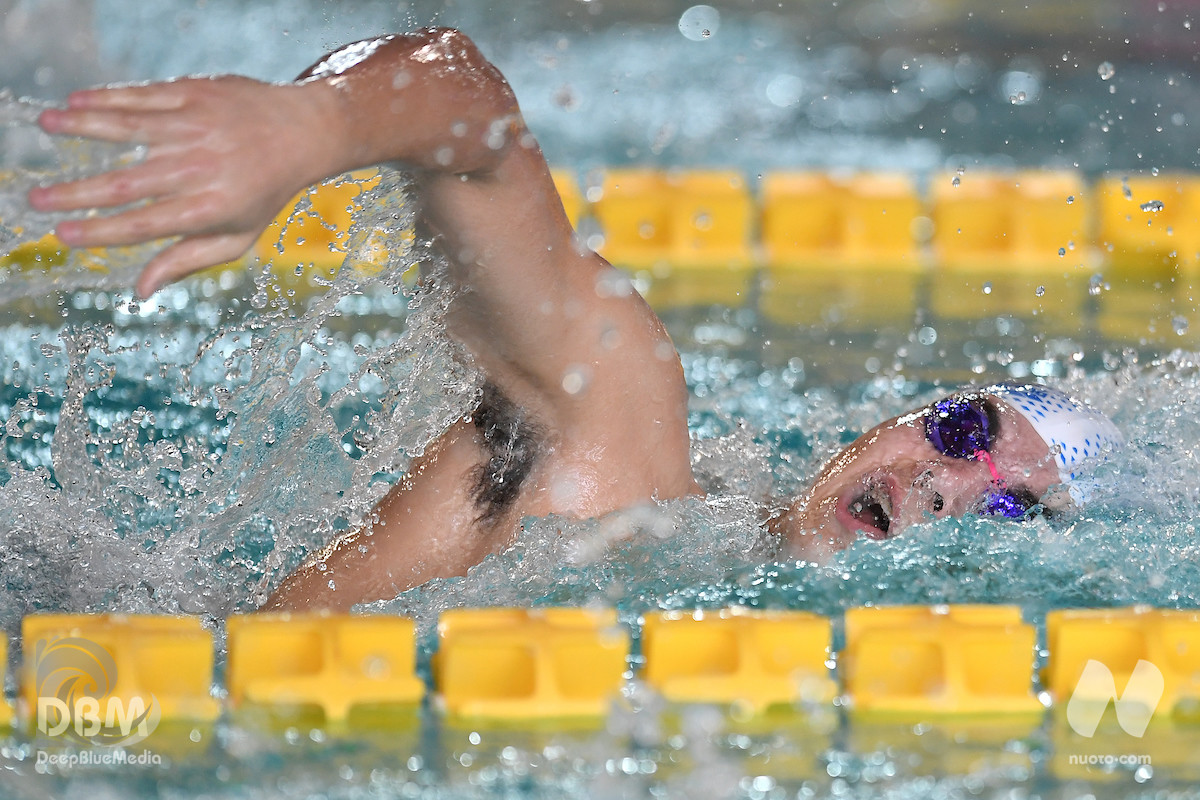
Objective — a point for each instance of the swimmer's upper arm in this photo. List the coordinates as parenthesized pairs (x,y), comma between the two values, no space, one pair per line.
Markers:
(539,312)
(539,307)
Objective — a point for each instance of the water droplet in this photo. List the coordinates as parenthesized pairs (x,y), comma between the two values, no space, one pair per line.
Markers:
(1152,206)
(566,97)
(700,23)
(1062,252)
(987,287)
(1040,291)
(1179,325)
(1070,199)
(575,380)
(1106,70)
(955,181)
(376,667)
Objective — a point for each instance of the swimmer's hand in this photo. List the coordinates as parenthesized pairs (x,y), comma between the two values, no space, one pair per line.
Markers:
(223,155)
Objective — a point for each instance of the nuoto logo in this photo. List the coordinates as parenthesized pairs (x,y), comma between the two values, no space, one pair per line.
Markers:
(75,678)
(1096,687)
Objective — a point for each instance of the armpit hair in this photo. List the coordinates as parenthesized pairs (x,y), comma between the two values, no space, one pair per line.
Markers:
(510,440)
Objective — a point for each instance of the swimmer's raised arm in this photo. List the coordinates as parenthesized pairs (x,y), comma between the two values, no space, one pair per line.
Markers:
(224,154)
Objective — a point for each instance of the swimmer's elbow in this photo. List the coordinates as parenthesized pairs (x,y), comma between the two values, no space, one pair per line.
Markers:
(484,103)
(439,102)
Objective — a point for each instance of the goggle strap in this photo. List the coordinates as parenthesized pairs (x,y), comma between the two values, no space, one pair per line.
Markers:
(986,457)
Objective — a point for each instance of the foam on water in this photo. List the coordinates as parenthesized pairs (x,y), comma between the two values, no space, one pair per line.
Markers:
(187,468)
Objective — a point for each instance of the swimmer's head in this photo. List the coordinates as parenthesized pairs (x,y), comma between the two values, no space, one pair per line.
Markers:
(1008,450)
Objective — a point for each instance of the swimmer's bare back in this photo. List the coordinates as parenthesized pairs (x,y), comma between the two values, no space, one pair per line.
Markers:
(590,375)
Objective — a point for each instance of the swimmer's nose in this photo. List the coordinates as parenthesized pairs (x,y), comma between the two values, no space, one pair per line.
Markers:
(936,488)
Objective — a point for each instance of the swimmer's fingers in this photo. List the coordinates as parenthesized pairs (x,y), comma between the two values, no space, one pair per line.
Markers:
(174,216)
(156,112)
(117,188)
(135,97)
(190,255)
(114,125)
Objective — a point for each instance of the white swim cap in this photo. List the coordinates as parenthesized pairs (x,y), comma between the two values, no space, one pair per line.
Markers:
(1074,432)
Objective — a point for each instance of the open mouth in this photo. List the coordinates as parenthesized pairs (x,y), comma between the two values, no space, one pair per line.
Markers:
(870,510)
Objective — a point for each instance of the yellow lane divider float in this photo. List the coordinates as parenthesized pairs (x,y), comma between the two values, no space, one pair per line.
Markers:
(333,662)
(1118,254)
(529,663)
(908,662)
(115,667)
(717,220)
(756,659)
(951,660)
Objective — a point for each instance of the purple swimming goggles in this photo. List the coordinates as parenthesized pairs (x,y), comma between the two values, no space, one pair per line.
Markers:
(964,427)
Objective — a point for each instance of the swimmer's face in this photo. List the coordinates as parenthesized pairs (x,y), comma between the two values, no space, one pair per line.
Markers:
(893,477)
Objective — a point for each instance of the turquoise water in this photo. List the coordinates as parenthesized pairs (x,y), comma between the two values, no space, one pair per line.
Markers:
(182,455)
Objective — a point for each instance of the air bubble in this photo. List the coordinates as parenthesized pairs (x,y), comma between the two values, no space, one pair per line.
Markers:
(1106,70)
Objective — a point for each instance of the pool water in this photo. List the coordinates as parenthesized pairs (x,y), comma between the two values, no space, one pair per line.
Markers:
(182,455)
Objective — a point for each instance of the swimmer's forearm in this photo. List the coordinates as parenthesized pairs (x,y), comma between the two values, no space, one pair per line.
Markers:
(429,100)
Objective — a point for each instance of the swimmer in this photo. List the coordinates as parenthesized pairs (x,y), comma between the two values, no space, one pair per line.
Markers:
(224,154)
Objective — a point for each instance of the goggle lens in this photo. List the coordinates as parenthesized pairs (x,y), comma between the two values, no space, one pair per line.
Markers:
(958,428)
(1003,504)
